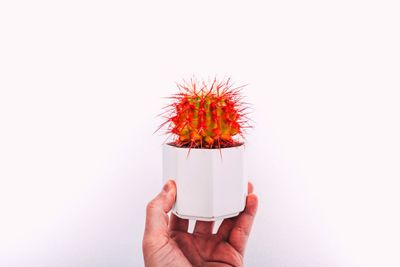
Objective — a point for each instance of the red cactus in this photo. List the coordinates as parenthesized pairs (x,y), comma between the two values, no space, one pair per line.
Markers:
(206,115)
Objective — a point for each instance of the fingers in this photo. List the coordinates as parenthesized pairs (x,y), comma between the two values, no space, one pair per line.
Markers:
(225,228)
(250,188)
(242,226)
(178,224)
(157,209)
(227,224)
(203,228)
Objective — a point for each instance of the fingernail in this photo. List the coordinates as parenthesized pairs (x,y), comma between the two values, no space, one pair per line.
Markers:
(167,187)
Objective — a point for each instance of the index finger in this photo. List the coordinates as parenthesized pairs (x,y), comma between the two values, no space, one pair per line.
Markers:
(242,226)
(227,224)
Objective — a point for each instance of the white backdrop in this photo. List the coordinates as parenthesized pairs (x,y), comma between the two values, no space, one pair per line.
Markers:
(82,81)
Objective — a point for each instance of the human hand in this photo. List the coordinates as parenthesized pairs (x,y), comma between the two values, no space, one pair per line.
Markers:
(166,241)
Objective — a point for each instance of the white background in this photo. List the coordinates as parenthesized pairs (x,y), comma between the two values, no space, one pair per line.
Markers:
(82,81)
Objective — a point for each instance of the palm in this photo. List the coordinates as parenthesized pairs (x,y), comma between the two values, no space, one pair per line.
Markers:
(202,248)
(167,242)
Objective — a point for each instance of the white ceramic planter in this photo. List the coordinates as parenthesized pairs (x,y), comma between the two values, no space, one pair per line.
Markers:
(209,187)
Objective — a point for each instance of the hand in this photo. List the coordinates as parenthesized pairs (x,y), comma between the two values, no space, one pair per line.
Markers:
(166,241)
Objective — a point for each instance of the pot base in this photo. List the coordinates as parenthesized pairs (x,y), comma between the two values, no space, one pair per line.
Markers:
(205,219)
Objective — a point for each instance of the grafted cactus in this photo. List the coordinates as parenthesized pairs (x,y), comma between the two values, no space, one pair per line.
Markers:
(206,115)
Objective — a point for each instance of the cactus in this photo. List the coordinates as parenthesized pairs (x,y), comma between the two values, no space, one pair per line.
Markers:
(206,115)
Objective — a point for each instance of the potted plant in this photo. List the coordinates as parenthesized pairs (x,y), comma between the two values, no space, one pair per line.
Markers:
(205,158)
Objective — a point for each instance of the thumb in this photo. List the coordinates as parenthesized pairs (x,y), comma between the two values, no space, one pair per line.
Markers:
(157,210)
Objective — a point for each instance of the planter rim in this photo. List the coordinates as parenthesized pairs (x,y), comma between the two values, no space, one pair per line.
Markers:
(241,144)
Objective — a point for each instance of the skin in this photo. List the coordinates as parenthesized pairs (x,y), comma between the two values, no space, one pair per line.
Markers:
(166,241)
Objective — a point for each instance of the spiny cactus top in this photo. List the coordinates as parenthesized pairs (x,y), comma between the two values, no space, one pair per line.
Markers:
(206,115)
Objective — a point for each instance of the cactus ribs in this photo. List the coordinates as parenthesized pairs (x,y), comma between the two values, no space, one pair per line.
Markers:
(206,115)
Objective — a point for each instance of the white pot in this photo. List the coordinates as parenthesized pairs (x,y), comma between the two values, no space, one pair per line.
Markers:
(209,187)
